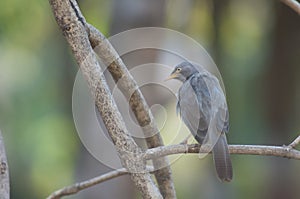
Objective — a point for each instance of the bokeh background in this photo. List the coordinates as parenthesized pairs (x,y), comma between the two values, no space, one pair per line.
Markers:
(255,44)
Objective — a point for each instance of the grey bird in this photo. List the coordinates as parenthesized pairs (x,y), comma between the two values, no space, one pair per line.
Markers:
(203,108)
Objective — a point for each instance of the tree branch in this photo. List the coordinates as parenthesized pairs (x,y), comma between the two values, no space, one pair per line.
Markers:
(295,142)
(4,173)
(75,188)
(278,151)
(74,30)
(138,105)
(293,4)
(137,102)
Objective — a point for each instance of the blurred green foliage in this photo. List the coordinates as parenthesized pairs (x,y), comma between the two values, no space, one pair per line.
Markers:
(35,114)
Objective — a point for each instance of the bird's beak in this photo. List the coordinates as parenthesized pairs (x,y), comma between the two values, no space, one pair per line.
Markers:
(172,76)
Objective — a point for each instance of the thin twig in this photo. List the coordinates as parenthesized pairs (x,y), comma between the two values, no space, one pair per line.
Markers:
(293,4)
(295,142)
(75,188)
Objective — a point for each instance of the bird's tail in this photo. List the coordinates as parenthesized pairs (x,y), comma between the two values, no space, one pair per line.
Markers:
(222,159)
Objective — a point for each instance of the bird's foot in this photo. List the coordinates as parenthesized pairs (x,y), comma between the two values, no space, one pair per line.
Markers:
(185,141)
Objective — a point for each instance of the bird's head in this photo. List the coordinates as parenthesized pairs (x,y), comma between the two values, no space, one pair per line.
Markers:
(183,71)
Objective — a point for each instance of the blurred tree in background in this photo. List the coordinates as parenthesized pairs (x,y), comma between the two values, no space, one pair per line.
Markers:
(255,44)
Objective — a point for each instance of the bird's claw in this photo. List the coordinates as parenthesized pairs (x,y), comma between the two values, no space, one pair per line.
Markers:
(185,141)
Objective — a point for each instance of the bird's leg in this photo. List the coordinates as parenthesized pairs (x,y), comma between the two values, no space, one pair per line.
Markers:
(185,141)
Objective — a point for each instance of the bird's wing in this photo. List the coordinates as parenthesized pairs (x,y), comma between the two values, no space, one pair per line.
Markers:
(194,112)
(218,103)
(203,106)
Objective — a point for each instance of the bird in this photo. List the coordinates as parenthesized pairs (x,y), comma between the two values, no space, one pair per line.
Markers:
(202,107)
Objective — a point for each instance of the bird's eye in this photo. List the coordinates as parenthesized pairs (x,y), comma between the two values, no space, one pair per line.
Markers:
(178,69)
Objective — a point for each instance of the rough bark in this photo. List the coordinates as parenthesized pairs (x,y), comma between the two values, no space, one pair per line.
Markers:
(4,174)
(66,15)
(137,102)
(138,105)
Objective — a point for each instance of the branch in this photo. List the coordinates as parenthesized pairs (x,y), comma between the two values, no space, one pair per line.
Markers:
(293,4)
(137,102)
(138,105)
(72,25)
(278,151)
(295,142)
(75,188)
(4,174)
